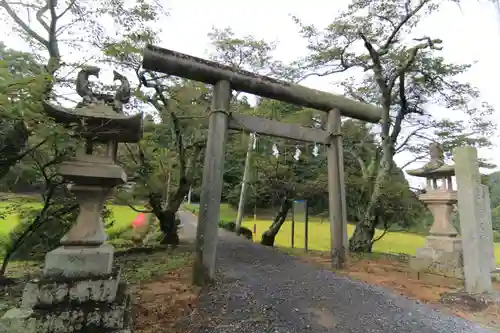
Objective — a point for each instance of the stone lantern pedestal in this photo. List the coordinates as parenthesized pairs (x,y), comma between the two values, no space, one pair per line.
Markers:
(442,252)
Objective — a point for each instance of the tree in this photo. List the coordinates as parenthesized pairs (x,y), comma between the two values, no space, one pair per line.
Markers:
(61,28)
(21,87)
(405,79)
(170,149)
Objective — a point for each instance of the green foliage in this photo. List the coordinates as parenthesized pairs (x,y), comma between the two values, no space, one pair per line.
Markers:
(21,84)
(493,182)
(53,225)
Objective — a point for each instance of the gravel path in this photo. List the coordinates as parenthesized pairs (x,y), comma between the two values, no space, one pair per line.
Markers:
(259,289)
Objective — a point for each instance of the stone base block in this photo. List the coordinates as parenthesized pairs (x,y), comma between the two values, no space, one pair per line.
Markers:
(445,258)
(46,292)
(441,255)
(75,261)
(442,243)
(85,317)
(433,267)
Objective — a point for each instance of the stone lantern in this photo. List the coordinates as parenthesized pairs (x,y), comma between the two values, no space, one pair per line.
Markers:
(442,252)
(80,288)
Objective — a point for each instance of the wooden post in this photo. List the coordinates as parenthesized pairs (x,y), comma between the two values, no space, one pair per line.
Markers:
(244,183)
(213,170)
(336,192)
(306,225)
(293,223)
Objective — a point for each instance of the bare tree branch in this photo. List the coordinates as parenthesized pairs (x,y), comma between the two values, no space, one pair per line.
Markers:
(139,210)
(409,14)
(39,15)
(23,24)
(417,158)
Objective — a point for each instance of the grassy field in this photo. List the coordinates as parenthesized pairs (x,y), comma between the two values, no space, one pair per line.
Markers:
(122,215)
(319,235)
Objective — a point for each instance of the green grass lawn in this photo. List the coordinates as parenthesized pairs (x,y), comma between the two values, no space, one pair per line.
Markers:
(319,235)
(122,216)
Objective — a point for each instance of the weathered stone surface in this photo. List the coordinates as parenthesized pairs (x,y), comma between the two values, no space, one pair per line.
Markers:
(429,265)
(91,173)
(89,316)
(97,291)
(30,295)
(419,264)
(88,229)
(440,203)
(441,255)
(18,321)
(78,261)
(49,292)
(443,243)
(485,228)
(477,264)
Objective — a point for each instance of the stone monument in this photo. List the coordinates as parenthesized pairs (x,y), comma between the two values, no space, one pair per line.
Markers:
(80,289)
(442,253)
(475,222)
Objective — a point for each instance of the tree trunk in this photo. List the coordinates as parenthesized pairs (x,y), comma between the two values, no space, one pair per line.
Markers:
(168,227)
(269,236)
(167,215)
(361,240)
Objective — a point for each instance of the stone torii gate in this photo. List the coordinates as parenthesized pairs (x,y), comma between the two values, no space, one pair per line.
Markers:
(225,79)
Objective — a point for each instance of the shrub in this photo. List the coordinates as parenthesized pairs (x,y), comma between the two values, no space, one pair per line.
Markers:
(121,243)
(496,236)
(231,226)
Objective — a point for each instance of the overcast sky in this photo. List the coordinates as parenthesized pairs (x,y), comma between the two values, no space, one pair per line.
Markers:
(470,33)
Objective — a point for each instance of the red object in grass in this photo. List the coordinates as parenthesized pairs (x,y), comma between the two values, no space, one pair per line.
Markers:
(139,221)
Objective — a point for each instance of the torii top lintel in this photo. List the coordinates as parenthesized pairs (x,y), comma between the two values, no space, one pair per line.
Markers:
(182,65)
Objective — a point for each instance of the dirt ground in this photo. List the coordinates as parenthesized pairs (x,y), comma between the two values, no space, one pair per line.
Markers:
(163,296)
(159,305)
(159,280)
(393,274)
